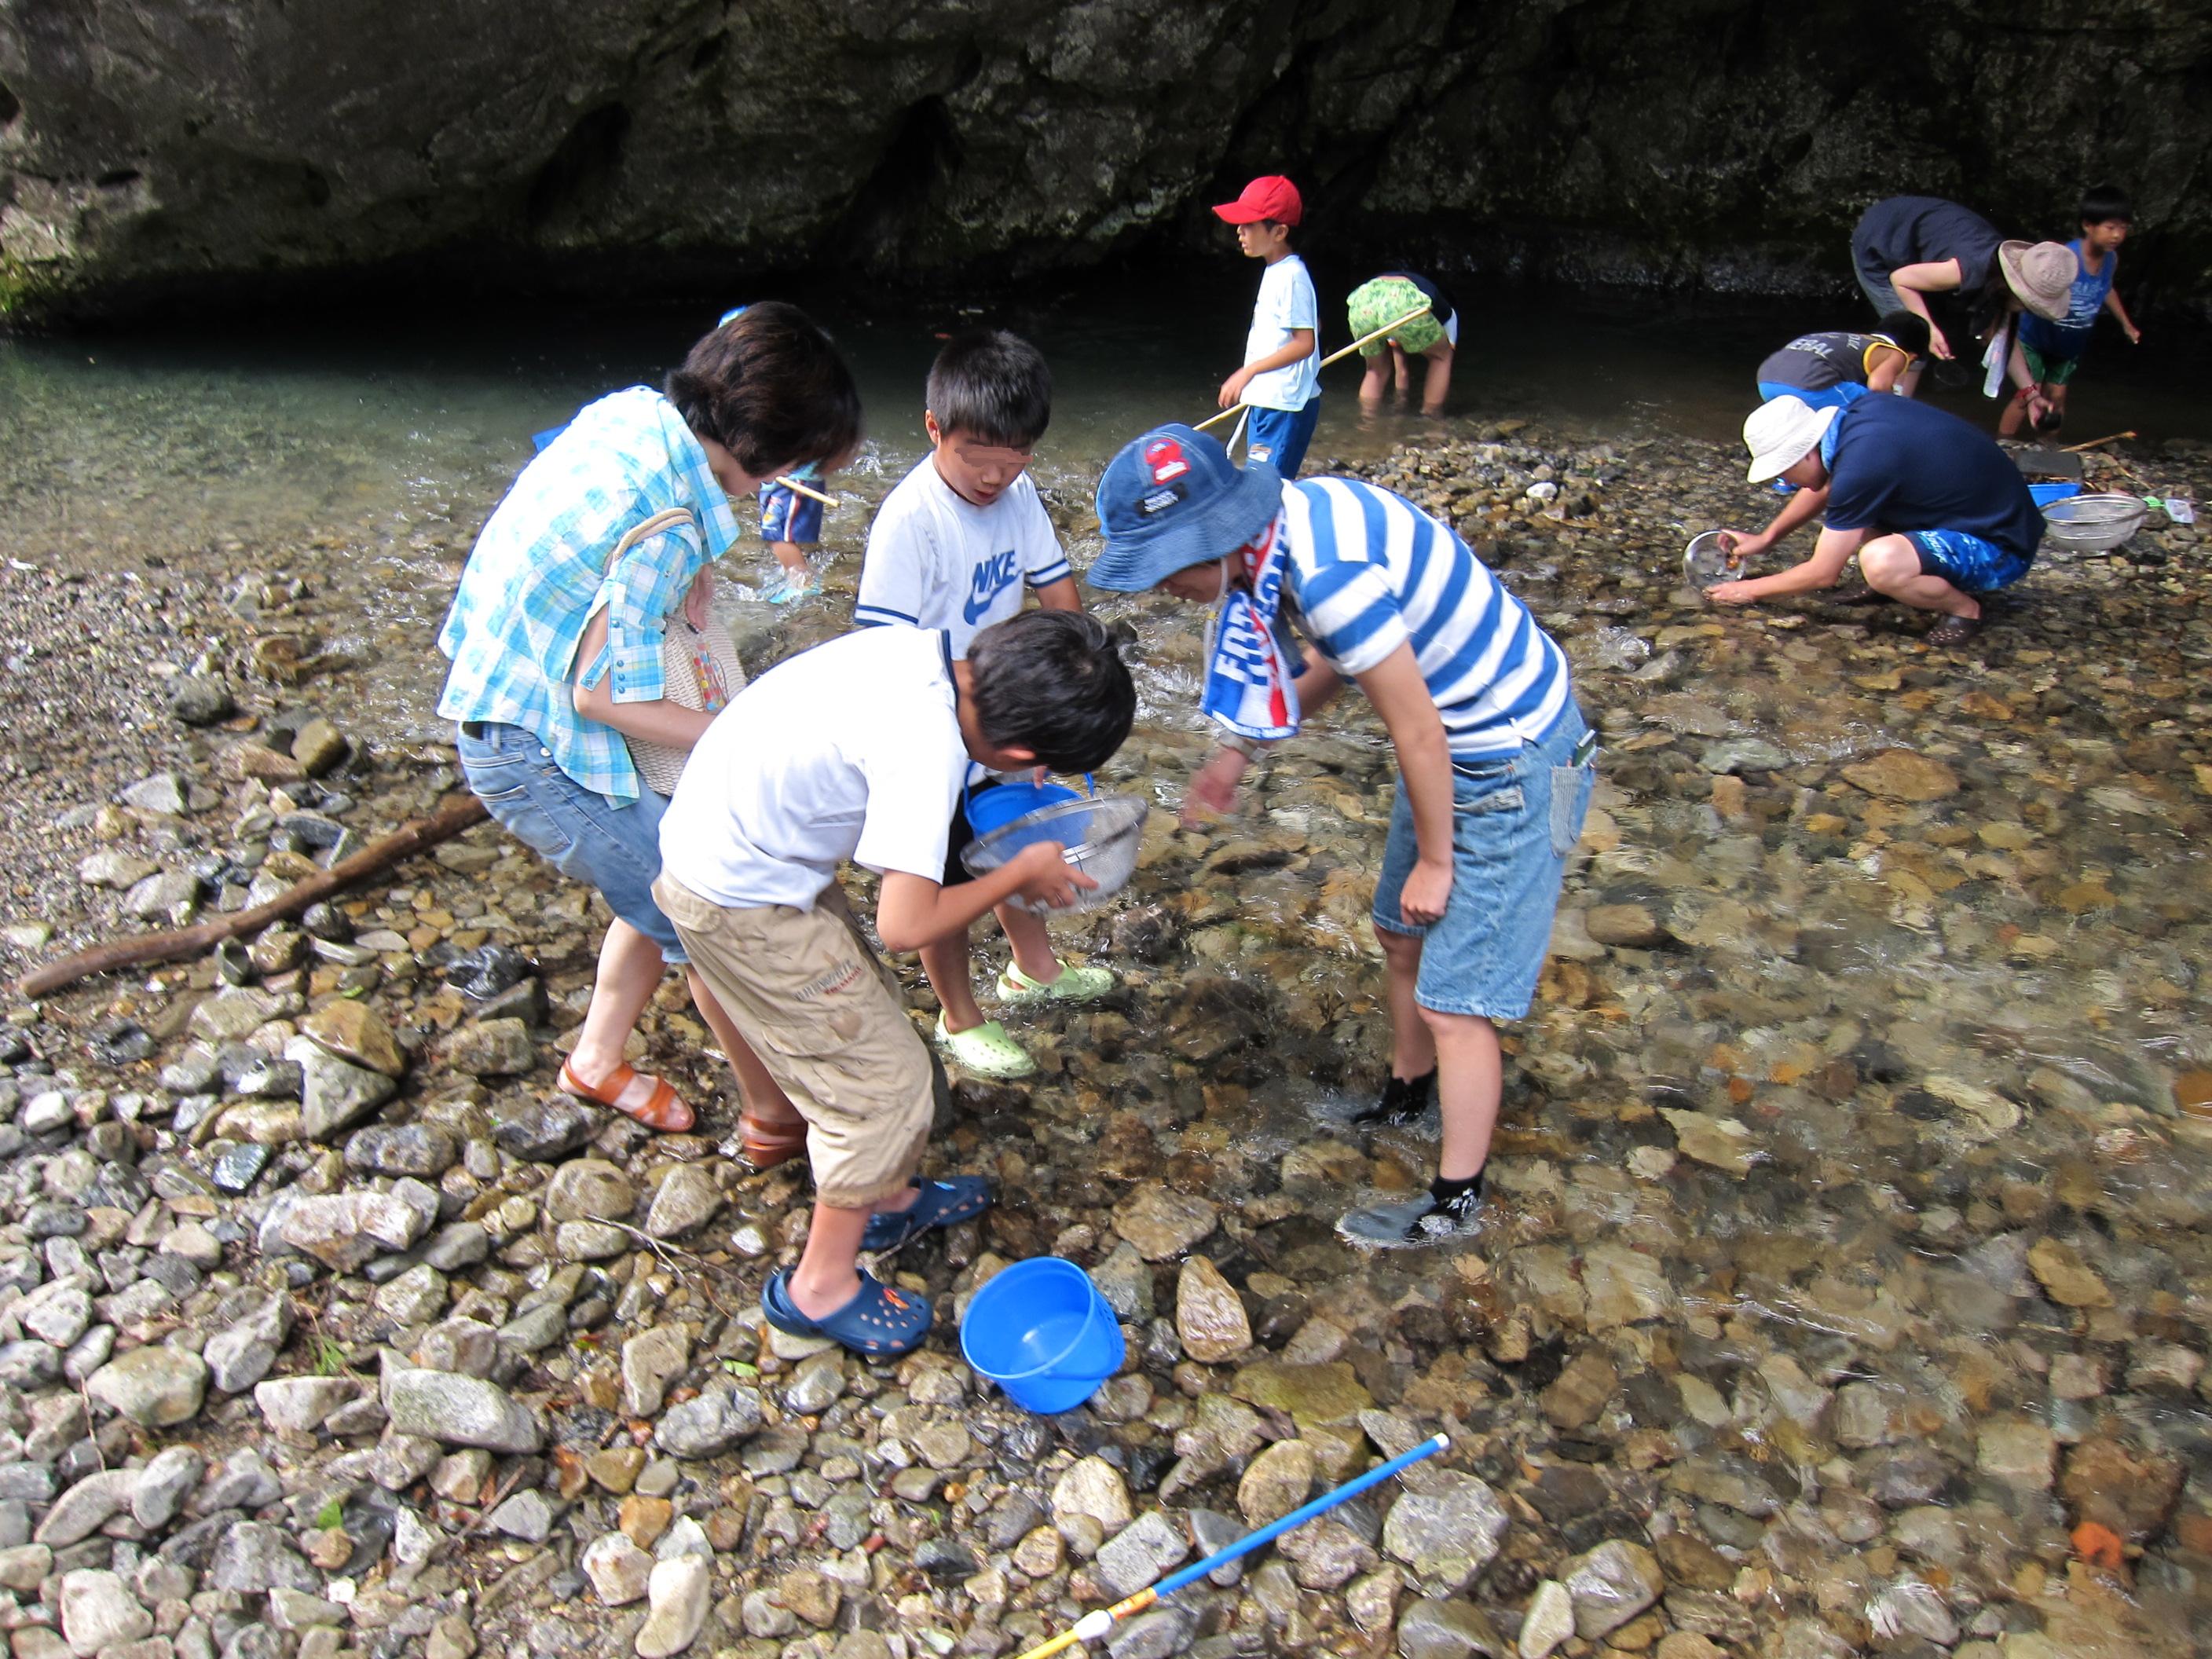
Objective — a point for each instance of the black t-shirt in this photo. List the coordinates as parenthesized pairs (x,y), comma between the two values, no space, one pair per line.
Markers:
(1900,466)
(1440,305)
(1814,362)
(1912,230)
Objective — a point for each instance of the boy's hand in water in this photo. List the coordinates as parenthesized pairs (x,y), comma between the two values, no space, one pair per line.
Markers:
(1048,877)
(1213,788)
(1426,892)
(1741,545)
(1731,594)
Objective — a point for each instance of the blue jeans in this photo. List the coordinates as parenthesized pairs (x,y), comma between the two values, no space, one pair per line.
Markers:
(1514,822)
(610,845)
(1279,437)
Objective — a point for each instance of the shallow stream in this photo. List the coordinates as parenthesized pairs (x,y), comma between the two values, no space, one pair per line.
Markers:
(1858,1145)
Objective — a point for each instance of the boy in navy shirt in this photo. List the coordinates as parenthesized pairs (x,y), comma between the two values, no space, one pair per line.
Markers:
(1937,514)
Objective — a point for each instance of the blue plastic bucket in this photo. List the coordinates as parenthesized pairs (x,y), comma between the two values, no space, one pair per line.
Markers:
(2045,494)
(1040,1330)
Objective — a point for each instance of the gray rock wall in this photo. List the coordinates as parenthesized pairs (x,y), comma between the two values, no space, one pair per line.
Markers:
(153,150)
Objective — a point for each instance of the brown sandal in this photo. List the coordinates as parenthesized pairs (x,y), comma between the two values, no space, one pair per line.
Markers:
(662,1109)
(1953,631)
(767,1143)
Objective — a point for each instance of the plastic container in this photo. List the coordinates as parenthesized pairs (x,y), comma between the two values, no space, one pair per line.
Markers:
(1040,1330)
(2045,494)
(1101,834)
(996,807)
(2093,524)
(1705,561)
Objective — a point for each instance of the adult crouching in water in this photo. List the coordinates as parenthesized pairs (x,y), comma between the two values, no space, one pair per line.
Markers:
(1938,514)
(555,642)
(1907,249)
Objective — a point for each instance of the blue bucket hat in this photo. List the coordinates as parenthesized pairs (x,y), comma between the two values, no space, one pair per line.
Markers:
(1173,499)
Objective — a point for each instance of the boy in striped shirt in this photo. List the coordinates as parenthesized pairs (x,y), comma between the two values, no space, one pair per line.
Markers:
(1495,762)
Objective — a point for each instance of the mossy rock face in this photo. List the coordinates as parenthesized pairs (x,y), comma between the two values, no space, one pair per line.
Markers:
(633,143)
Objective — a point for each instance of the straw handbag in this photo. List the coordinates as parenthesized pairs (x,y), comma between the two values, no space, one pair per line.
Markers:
(699,667)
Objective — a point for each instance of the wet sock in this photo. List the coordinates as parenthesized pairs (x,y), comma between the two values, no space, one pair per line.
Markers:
(1404,1100)
(1458,1198)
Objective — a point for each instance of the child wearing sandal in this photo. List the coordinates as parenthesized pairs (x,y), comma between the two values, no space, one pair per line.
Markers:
(857,751)
(1494,760)
(953,547)
(555,637)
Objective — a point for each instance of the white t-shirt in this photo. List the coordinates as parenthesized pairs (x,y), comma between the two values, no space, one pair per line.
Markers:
(1286,302)
(849,751)
(937,559)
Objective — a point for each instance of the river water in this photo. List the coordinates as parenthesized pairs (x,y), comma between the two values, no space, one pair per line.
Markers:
(1853,1180)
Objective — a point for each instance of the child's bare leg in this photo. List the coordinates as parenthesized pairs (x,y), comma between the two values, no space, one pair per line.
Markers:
(1891,565)
(2054,391)
(762,1095)
(792,555)
(1032,944)
(1376,382)
(1413,1048)
(1438,385)
(2014,417)
(1470,1081)
(1401,372)
(945,963)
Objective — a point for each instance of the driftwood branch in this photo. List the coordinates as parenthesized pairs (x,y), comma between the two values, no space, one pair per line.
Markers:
(457,813)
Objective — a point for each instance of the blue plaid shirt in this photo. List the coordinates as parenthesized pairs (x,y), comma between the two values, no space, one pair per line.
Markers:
(539,572)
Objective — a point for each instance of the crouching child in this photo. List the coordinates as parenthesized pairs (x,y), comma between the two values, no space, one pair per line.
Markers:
(856,751)
(1495,763)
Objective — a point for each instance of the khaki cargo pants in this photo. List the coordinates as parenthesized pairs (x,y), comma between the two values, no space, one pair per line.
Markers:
(826,1018)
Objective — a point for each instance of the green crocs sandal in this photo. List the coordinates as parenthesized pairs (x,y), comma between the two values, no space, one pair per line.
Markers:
(1074,985)
(985,1049)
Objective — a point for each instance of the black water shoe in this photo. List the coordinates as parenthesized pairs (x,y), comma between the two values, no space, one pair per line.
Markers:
(1405,1100)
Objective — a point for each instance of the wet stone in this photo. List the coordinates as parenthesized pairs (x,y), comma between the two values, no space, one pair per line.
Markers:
(1611,1585)
(1210,1317)
(410,1149)
(1161,1224)
(1447,1534)
(544,1130)
(1434,1629)
(709,1424)
(1139,1553)
(493,1048)
(465,1411)
(154,1387)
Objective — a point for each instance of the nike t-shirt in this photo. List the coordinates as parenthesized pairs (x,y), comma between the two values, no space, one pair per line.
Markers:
(937,559)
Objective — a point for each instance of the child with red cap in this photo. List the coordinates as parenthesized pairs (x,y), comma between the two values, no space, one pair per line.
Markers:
(1281,377)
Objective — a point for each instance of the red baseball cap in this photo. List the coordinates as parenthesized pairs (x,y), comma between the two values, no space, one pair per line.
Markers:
(1273,197)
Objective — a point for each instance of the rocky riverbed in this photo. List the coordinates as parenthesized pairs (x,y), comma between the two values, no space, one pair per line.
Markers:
(1846,1287)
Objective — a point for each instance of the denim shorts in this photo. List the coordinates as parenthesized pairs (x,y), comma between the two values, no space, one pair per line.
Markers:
(1514,822)
(613,846)
(1966,561)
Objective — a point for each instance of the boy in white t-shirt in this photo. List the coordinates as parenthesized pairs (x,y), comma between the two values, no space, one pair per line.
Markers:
(954,547)
(1281,377)
(857,751)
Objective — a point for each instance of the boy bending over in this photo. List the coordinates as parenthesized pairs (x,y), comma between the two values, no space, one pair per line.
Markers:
(857,750)
(1495,763)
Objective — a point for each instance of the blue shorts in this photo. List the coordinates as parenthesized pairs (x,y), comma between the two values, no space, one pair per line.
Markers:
(1514,822)
(789,516)
(610,845)
(1967,563)
(1279,437)
(1834,397)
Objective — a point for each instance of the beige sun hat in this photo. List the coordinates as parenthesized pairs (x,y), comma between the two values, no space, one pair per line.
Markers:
(2042,274)
(1781,433)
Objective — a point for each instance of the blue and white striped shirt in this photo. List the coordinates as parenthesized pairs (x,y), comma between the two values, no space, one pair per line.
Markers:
(1370,571)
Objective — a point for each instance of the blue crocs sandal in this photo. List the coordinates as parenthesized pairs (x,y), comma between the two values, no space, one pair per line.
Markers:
(879,1322)
(941,1204)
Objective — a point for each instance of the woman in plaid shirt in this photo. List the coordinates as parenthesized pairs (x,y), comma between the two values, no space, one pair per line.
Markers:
(556,654)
